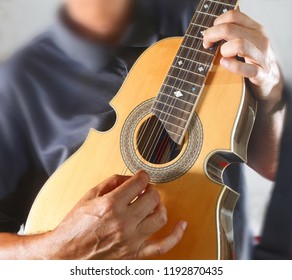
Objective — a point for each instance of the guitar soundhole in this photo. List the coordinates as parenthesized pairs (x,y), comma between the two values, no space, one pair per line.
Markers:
(154,143)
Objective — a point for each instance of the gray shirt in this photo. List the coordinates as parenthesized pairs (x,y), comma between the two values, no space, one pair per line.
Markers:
(58,87)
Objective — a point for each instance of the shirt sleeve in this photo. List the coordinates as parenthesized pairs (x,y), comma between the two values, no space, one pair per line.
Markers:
(276,240)
(13,156)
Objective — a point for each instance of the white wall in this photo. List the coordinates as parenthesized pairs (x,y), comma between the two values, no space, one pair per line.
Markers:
(20,19)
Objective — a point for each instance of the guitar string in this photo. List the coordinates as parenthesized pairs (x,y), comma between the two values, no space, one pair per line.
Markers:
(191,26)
(162,148)
(159,134)
(141,136)
(182,83)
(173,145)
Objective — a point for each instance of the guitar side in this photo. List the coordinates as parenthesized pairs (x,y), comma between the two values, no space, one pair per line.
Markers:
(226,112)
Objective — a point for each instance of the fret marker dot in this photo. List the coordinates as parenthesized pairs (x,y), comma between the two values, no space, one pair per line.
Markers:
(202,32)
(180,63)
(206,6)
(201,69)
(225,11)
(178,94)
(193,89)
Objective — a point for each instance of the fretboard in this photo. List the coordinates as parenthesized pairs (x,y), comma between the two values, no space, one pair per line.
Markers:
(177,99)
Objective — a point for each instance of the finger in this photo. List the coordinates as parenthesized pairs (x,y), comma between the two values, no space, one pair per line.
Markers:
(227,32)
(106,186)
(162,246)
(235,16)
(251,71)
(132,188)
(243,48)
(153,222)
(112,183)
(145,204)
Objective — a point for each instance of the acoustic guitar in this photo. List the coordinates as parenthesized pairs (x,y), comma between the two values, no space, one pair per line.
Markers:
(183,119)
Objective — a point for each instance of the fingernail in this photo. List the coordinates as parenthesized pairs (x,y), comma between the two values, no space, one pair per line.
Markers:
(224,62)
(204,45)
(184,225)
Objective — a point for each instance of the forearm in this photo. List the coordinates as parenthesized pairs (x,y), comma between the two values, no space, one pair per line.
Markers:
(16,247)
(263,151)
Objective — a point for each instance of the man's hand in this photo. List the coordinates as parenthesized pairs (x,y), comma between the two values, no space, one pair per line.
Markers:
(114,221)
(246,38)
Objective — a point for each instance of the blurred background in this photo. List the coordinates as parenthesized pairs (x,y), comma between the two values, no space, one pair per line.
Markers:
(22,19)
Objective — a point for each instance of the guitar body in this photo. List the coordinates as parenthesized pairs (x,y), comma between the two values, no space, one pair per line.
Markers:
(191,185)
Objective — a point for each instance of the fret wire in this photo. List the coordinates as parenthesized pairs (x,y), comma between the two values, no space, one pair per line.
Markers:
(175,79)
(180,127)
(195,37)
(191,83)
(172,129)
(182,110)
(196,24)
(184,85)
(175,99)
(220,3)
(189,101)
(192,61)
(192,36)
(178,119)
(207,14)
(183,91)
(195,52)
(169,114)
(203,21)
(187,47)
(205,52)
(175,132)
(193,78)
(189,71)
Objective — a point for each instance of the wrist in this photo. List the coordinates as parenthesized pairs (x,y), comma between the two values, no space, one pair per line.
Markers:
(38,247)
(274,102)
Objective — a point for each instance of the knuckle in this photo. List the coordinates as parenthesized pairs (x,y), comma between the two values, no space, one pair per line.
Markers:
(142,180)
(159,250)
(109,205)
(121,231)
(232,15)
(155,196)
(240,45)
(227,30)
(91,194)
(265,42)
(256,72)
(115,178)
(161,218)
(261,28)
(140,183)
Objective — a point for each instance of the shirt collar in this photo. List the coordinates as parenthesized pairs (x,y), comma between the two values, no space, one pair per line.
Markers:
(141,32)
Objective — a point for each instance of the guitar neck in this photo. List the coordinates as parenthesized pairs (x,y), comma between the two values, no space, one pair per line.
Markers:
(177,99)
